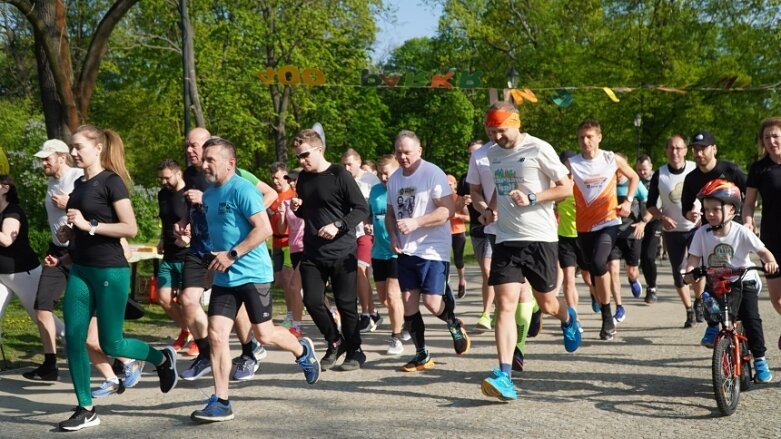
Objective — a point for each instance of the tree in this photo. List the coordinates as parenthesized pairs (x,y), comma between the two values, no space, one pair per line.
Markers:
(66,94)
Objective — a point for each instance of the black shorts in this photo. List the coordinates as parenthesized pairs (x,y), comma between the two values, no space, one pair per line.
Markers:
(774,245)
(256,298)
(278,259)
(570,254)
(596,247)
(384,269)
(628,249)
(196,272)
(517,261)
(295,259)
(53,281)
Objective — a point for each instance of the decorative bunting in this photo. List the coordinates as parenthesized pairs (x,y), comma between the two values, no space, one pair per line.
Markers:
(562,98)
(610,94)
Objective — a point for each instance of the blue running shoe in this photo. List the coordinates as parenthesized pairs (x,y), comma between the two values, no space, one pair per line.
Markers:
(535,324)
(710,336)
(594,304)
(199,367)
(571,331)
(132,372)
(214,411)
(499,385)
(108,388)
(620,314)
(762,372)
(245,368)
(637,288)
(259,351)
(308,361)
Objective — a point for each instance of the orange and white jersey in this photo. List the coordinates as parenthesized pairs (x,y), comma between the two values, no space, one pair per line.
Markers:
(595,191)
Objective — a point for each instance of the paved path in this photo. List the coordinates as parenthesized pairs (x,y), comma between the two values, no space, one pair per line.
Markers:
(652,381)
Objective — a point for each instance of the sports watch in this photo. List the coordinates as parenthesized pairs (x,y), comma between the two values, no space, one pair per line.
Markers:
(93,226)
(532,199)
(233,254)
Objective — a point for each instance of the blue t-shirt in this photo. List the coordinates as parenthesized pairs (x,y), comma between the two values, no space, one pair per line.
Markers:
(228,209)
(378,196)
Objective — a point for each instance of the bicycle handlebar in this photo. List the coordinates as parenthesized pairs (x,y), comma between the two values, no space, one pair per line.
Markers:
(722,272)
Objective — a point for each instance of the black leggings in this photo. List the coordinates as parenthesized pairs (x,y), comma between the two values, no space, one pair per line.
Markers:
(649,248)
(596,248)
(677,243)
(459,243)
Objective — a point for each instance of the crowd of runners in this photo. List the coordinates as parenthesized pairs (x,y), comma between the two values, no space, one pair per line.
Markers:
(536,218)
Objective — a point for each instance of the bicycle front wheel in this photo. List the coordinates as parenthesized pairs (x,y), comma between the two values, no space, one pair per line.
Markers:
(726,385)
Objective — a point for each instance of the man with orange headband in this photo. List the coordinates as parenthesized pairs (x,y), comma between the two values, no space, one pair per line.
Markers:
(529,178)
(597,210)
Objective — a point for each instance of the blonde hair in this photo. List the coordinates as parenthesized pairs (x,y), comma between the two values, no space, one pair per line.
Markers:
(388,159)
(112,156)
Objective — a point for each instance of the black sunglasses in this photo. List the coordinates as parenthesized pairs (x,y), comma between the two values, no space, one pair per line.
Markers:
(305,154)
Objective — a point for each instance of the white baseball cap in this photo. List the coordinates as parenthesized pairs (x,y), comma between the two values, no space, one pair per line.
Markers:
(52,146)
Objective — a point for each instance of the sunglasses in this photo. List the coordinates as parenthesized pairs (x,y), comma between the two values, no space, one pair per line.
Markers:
(305,154)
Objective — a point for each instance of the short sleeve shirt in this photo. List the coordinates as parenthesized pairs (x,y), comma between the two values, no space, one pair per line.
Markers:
(18,256)
(378,205)
(413,196)
(732,250)
(95,199)
(280,238)
(173,209)
(480,173)
(765,176)
(228,209)
(58,186)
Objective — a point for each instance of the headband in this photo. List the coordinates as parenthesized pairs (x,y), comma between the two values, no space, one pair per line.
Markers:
(502,119)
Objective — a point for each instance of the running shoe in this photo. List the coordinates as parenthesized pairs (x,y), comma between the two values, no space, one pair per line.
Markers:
(421,361)
(762,372)
(461,340)
(483,323)
(650,296)
(570,330)
(181,341)
(395,347)
(699,314)
(332,354)
(608,330)
(215,411)
(132,372)
(42,373)
(594,304)
(376,318)
(296,330)
(517,360)
(193,350)
(710,336)
(245,368)
(288,322)
(167,371)
(353,361)
(620,314)
(535,324)
(689,318)
(108,388)
(499,385)
(308,361)
(198,368)
(366,324)
(406,336)
(637,288)
(81,418)
(461,291)
(258,351)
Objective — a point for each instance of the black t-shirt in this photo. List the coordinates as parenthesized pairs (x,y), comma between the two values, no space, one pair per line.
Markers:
(95,199)
(326,197)
(696,179)
(18,256)
(765,176)
(173,208)
(475,228)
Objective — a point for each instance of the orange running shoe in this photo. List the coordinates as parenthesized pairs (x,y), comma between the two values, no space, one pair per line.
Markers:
(193,350)
(181,341)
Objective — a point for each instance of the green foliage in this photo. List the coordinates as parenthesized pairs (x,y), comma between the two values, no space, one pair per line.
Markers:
(145,207)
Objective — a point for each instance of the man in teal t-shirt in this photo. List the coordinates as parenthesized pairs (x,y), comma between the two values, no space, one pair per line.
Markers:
(239,226)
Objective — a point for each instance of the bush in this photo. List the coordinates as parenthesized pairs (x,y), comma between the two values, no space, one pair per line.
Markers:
(145,207)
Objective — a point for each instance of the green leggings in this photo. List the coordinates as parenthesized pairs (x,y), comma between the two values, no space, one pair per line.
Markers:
(102,292)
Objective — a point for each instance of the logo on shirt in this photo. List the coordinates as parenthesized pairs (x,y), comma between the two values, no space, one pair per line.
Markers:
(506,181)
(595,182)
(721,256)
(405,202)
(224,208)
(676,193)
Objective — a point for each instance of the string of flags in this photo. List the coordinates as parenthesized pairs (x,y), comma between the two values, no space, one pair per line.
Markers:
(562,97)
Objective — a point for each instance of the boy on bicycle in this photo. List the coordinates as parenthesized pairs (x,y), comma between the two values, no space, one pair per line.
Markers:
(725,243)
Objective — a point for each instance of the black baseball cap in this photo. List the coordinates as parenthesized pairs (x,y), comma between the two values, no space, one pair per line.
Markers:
(566,155)
(702,138)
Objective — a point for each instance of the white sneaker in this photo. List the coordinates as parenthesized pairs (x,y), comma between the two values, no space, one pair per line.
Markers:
(405,335)
(394,346)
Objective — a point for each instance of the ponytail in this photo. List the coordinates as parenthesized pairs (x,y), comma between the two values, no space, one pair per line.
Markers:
(112,156)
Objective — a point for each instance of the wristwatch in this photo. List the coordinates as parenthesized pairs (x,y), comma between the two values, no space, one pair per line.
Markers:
(532,199)
(339,224)
(93,226)
(233,254)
